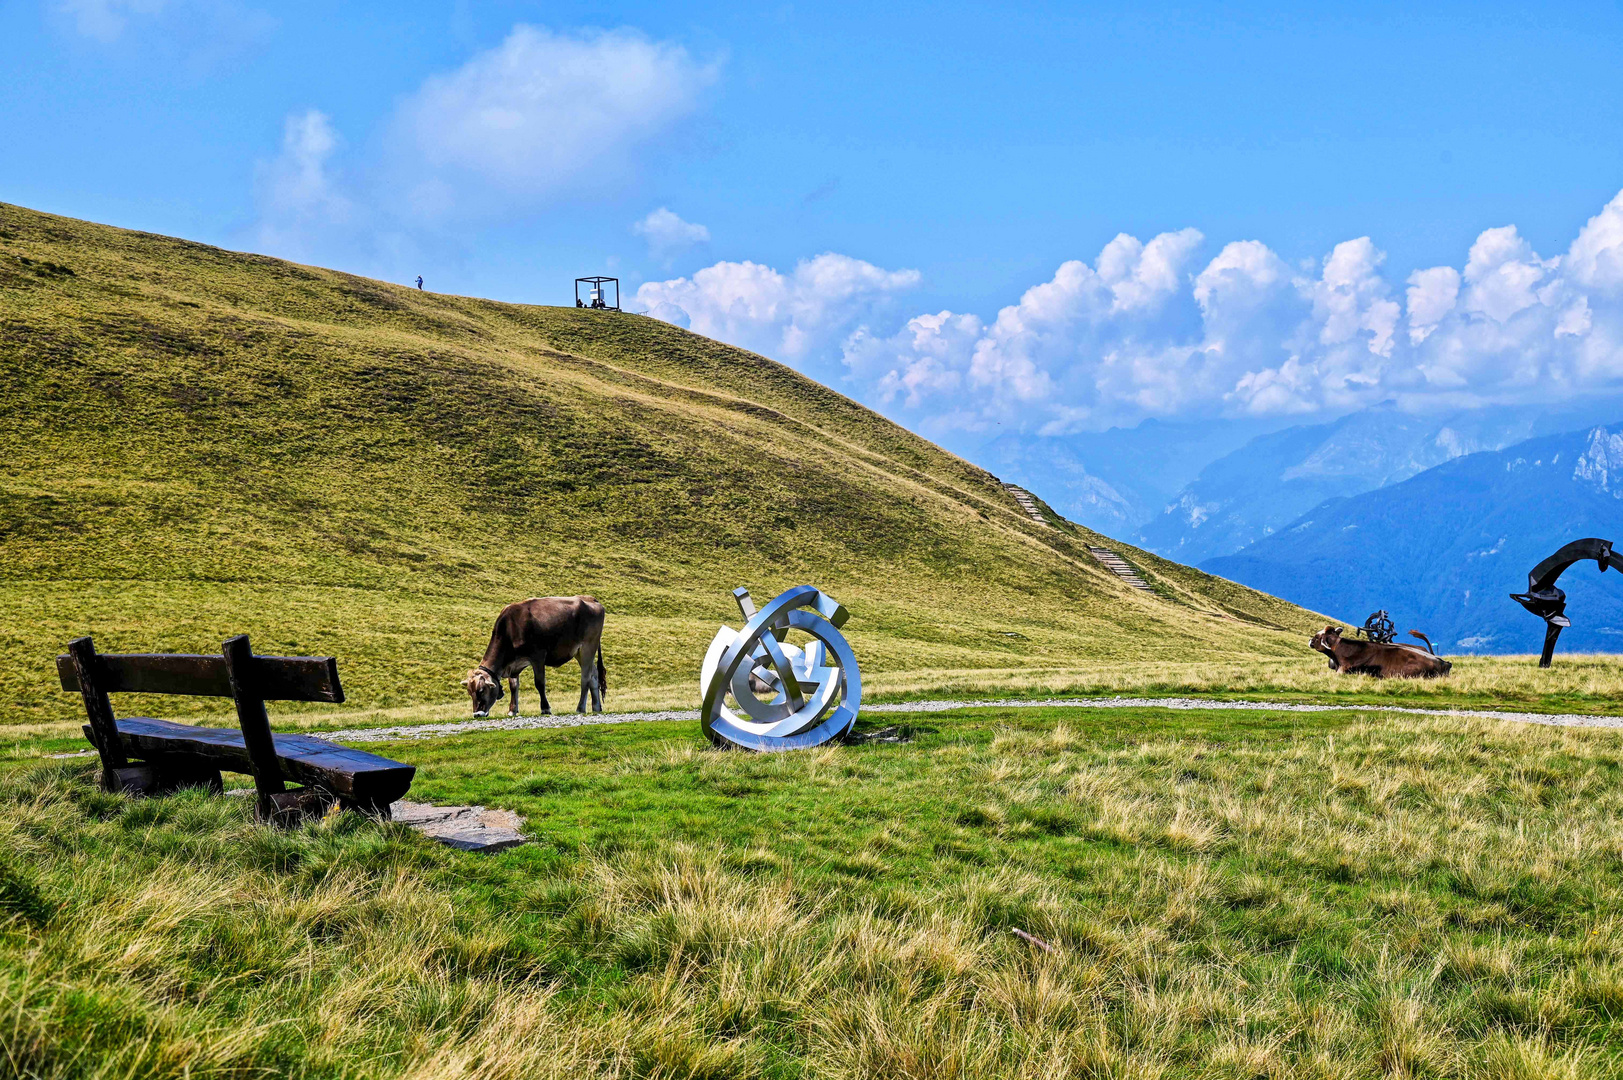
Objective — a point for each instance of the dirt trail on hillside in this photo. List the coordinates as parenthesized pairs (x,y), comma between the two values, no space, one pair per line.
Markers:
(439,731)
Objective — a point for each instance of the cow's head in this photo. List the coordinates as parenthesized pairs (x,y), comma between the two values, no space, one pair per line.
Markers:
(1325,641)
(484,688)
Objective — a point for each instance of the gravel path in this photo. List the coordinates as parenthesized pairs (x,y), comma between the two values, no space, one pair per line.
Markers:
(516,723)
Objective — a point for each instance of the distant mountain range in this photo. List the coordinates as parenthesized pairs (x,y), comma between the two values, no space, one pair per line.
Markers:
(1193,492)
(1442,550)
(1276,478)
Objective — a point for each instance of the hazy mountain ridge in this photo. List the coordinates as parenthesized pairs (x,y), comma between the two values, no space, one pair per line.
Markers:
(1198,491)
(1442,550)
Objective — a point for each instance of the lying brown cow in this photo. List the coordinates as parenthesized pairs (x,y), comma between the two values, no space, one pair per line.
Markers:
(1352,657)
(539,633)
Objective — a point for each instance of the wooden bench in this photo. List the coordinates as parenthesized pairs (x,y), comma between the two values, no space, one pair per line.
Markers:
(168,756)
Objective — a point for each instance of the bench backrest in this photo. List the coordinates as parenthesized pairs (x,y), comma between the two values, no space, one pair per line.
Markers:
(236,673)
(274,678)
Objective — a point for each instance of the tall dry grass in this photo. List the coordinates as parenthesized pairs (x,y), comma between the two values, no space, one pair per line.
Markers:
(1424,898)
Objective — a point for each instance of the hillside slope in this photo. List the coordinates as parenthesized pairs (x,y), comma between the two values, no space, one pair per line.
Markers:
(197,442)
(1443,550)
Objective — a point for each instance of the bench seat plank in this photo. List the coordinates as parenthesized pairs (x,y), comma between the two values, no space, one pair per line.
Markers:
(351,774)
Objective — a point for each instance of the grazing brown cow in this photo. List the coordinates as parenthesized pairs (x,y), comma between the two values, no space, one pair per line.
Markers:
(1351,657)
(539,633)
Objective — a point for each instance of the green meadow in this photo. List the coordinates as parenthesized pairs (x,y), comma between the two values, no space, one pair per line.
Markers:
(1225,894)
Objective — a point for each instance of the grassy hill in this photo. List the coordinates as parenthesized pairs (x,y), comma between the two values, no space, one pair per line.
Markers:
(195,442)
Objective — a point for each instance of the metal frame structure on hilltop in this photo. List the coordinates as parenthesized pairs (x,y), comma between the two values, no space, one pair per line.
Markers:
(594,295)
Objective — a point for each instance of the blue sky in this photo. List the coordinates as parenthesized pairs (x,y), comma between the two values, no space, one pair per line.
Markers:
(830,175)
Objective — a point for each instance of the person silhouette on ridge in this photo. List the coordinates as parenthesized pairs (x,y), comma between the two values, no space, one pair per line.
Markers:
(419,283)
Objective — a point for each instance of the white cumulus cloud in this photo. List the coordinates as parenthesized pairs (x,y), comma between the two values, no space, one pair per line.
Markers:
(541,117)
(1156,328)
(539,113)
(1596,258)
(1432,294)
(668,235)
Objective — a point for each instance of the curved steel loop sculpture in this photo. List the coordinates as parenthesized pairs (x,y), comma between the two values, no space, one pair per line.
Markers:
(813,693)
(1549,603)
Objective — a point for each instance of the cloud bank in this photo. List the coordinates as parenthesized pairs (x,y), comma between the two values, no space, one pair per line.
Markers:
(1165,328)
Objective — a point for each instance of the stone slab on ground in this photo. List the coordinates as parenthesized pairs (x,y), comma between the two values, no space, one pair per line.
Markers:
(467,828)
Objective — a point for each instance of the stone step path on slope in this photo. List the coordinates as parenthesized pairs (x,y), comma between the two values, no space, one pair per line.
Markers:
(1027,503)
(1107,558)
(1120,567)
(520,723)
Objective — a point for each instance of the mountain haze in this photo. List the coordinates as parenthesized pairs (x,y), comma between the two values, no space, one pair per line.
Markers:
(1115,481)
(199,442)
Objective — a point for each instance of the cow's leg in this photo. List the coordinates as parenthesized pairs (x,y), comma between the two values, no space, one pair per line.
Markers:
(541,688)
(589,686)
(512,689)
(597,683)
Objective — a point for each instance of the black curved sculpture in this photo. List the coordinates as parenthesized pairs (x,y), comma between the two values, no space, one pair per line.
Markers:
(1549,603)
(1378,627)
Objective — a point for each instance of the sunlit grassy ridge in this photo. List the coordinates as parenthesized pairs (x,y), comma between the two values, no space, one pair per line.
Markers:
(195,442)
(1227,894)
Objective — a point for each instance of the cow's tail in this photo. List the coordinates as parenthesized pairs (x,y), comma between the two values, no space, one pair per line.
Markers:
(602,674)
(1427,640)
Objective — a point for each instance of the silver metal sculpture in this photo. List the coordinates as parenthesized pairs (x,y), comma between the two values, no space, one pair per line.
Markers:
(812,693)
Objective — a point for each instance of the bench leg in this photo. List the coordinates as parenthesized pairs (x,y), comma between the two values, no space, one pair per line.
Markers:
(102,731)
(157,776)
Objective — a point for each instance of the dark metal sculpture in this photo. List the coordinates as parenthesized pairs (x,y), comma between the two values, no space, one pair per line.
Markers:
(1549,603)
(1378,628)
